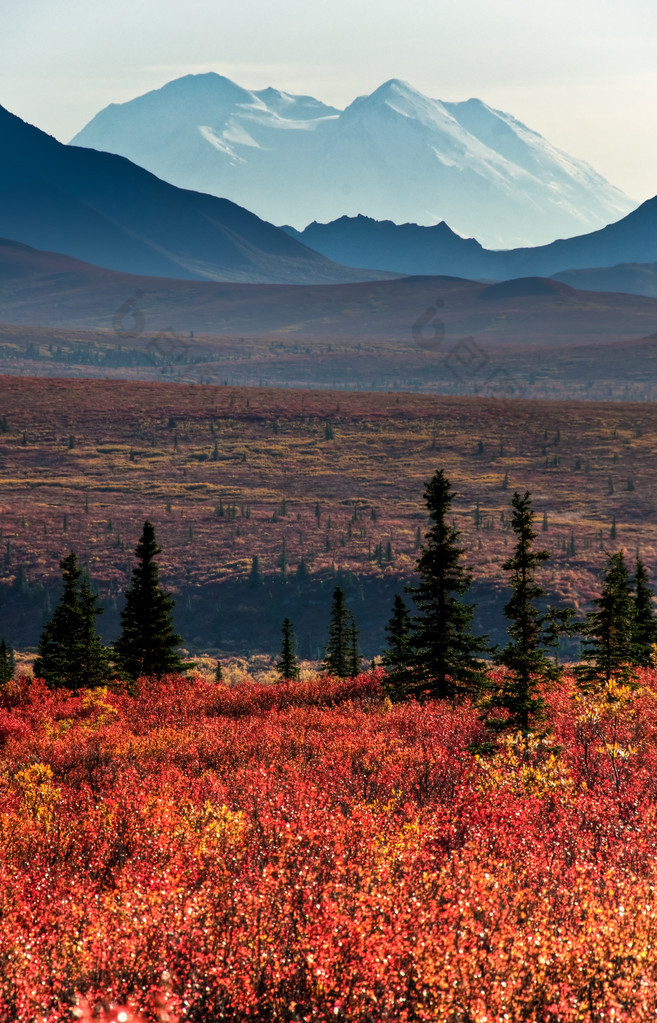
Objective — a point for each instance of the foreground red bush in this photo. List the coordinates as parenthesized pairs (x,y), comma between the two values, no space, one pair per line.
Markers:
(310,852)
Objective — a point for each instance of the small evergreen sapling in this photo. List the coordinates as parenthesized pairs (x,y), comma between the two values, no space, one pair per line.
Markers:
(70,653)
(255,575)
(645,623)
(288,664)
(342,658)
(527,665)
(354,656)
(7,663)
(398,655)
(609,647)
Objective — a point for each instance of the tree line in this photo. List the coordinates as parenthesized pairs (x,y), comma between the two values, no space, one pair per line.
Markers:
(432,650)
(71,654)
(434,653)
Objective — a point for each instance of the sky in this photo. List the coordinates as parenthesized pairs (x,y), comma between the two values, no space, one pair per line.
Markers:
(583,73)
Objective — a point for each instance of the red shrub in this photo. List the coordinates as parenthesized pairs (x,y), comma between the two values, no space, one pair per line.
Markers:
(307,851)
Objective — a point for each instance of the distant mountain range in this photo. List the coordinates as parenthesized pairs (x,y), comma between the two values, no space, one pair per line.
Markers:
(413,249)
(629,278)
(103,209)
(44,288)
(410,248)
(394,154)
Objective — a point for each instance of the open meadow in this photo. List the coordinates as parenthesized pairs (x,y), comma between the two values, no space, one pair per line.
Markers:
(329,481)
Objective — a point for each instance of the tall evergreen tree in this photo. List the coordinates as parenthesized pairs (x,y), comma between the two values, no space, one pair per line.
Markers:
(645,622)
(7,663)
(398,655)
(528,628)
(70,653)
(288,664)
(147,644)
(339,658)
(445,649)
(96,654)
(354,656)
(609,631)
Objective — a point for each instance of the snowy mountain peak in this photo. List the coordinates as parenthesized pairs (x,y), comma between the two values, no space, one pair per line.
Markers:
(400,97)
(394,154)
(299,107)
(395,87)
(202,88)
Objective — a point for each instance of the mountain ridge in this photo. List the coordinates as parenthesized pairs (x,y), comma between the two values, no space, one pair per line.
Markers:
(101,208)
(415,249)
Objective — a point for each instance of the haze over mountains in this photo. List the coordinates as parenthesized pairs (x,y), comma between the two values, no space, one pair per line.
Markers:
(46,288)
(413,249)
(394,154)
(103,209)
(531,338)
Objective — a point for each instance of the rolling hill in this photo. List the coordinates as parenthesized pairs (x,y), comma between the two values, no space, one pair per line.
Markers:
(530,337)
(630,278)
(44,288)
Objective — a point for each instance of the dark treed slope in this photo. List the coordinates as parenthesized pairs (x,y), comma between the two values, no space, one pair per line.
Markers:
(410,248)
(104,209)
(413,249)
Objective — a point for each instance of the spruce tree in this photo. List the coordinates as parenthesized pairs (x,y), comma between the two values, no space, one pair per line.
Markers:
(339,658)
(288,664)
(7,663)
(609,632)
(528,630)
(398,655)
(645,623)
(354,656)
(70,653)
(302,573)
(444,646)
(255,575)
(147,644)
(96,654)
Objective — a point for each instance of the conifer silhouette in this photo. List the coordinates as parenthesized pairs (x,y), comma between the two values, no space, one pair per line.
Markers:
(288,664)
(609,648)
(342,657)
(70,653)
(147,644)
(529,629)
(445,647)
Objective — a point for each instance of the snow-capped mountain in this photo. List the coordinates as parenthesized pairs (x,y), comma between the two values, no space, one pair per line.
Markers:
(394,154)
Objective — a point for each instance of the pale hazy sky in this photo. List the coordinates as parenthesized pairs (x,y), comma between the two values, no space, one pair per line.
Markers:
(581,72)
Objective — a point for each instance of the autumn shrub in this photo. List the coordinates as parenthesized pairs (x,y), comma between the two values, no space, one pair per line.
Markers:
(309,851)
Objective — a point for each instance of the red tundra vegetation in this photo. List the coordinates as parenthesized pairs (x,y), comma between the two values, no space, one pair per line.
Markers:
(311,852)
(227,473)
